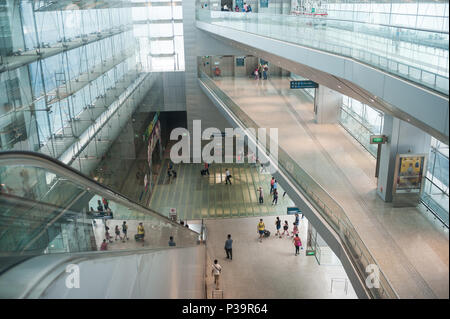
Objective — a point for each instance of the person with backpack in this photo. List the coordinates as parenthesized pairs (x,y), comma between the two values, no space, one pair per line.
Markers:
(278,226)
(216,270)
(297,243)
(124,231)
(272,182)
(285,228)
(261,227)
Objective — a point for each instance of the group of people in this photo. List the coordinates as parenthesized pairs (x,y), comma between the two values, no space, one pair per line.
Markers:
(124,227)
(273,192)
(140,235)
(261,71)
(261,230)
(295,232)
(103,209)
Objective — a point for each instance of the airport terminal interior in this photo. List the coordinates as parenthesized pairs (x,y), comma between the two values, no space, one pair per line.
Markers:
(216,149)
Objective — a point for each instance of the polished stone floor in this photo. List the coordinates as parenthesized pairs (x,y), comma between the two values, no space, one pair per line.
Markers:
(411,249)
(269,269)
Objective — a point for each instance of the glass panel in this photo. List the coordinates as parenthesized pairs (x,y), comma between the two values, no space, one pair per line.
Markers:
(46,208)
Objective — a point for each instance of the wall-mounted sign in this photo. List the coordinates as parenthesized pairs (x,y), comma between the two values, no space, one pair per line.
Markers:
(378,139)
(263,3)
(304,84)
(409,173)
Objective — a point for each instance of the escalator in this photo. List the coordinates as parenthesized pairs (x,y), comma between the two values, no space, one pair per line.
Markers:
(49,219)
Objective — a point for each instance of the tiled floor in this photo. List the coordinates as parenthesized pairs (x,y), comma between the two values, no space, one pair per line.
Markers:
(268,269)
(412,250)
(195,196)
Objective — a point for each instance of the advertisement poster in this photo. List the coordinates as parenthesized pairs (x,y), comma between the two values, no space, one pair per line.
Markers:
(263,3)
(409,173)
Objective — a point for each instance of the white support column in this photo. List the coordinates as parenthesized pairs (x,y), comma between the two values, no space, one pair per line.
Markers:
(403,138)
(327,105)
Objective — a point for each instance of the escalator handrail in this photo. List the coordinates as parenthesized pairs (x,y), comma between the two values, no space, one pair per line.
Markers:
(55,166)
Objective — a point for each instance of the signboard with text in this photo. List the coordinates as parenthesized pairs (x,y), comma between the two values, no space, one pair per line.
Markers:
(304,84)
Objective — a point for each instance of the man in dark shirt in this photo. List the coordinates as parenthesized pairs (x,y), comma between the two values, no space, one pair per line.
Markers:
(228,247)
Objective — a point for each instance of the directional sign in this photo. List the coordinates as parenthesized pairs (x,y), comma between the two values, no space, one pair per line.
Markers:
(378,139)
(304,84)
(293,211)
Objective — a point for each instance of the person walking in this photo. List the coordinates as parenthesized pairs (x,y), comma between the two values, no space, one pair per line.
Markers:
(278,226)
(261,195)
(228,176)
(265,69)
(124,231)
(295,229)
(275,197)
(297,243)
(297,219)
(285,228)
(206,168)
(104,245)
(275,185)
(105,203)
(141,232)
(229,247)
(117,231)
(261,227)
(255,73)
(216,270)
(272,182)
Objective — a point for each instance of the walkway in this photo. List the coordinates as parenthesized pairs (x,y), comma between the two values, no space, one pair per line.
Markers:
(418,56)
(269,269)
(411,250)
(196,197)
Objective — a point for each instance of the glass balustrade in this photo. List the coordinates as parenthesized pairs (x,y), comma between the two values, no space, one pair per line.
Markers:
(329,209)
(417,55)
(47,207)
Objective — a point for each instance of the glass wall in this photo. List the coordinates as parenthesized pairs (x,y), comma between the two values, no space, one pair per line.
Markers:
(361,121)
(59,70)
(159,32)
(435,194)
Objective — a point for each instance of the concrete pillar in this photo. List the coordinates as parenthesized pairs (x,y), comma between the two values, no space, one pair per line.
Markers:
(327,105)
(403,138)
